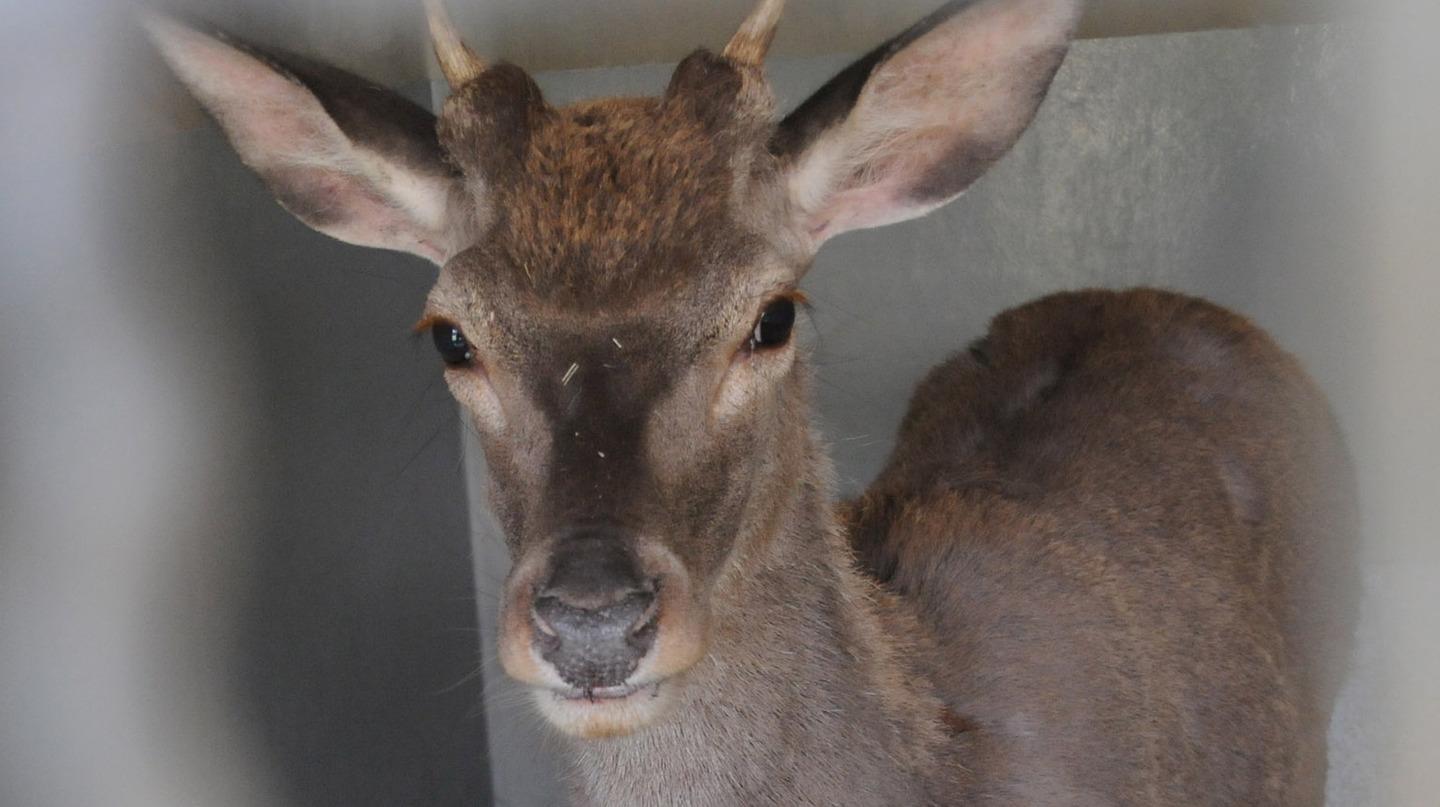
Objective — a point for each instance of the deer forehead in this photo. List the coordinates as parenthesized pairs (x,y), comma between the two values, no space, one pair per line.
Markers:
(617,197)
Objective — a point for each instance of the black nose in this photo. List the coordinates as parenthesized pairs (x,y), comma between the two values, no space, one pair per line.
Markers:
(594,615)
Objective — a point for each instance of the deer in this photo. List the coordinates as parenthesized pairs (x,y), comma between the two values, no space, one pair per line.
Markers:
(1106,564)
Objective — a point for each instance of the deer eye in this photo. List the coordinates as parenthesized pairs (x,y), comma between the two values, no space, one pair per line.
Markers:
(773,327)
(454,349)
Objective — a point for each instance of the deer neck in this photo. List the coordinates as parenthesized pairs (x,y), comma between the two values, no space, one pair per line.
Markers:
(811,691)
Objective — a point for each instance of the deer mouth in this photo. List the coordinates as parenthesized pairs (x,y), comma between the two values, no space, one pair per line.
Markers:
(604,712)
(606,671)
(612,693)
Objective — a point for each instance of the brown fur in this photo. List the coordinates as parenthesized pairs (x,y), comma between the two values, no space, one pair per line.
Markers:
(605,198)
(1120,536)
(1130,519)
(1107,563)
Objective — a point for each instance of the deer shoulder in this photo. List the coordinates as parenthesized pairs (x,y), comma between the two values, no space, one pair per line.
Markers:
(1136,499)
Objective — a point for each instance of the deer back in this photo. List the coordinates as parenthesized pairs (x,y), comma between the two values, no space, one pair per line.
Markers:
(1128,519)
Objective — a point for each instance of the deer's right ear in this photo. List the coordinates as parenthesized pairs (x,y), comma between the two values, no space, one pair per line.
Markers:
(910,126)
(352,159)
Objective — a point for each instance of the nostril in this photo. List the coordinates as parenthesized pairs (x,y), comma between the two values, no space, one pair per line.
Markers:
(642,634)
(538,614)
(649,611)
(637,611)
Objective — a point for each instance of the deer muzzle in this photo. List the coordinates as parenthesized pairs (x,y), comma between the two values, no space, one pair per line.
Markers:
(595,616)
(602,624)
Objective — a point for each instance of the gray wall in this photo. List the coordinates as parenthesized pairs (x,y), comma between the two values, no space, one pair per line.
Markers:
(1216,163)
(355,643)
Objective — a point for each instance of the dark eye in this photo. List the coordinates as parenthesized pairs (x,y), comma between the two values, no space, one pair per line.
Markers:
(451,343)
(773,327)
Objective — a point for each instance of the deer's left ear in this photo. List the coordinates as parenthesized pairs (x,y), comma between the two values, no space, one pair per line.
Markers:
(912,124)
(347,157)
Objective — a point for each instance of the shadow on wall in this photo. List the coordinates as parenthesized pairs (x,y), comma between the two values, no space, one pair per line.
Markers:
(357,643)
(236,564)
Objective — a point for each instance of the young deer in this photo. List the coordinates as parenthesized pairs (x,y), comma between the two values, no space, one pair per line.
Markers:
(1101,567)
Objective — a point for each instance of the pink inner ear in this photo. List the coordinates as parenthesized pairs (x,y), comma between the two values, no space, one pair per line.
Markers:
(270,118)
(281,130)
(347,207)
(884,191)
(869,206)
(934,116)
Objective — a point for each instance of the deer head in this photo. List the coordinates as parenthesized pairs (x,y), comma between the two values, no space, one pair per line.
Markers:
(618,288)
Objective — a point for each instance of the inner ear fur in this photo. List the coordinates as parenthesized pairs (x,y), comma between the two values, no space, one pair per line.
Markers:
(346,156)
(914,122)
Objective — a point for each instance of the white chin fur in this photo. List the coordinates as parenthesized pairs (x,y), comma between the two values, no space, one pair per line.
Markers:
(605,717)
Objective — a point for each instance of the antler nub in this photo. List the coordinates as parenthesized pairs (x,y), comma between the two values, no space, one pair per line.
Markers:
(457,61)
(752,41)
